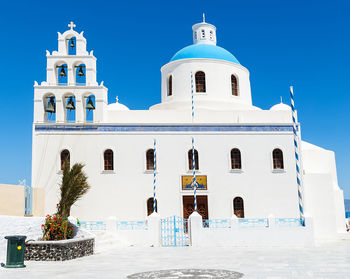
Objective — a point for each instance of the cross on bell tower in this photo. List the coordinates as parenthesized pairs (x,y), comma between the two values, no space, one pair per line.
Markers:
(71,25)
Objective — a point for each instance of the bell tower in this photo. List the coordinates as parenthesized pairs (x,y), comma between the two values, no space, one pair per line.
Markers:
(71,93)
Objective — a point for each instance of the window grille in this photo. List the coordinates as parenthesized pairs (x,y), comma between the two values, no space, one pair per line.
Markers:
(200,82)
(150,159)
(65,157)
(234,85)
(236,159)
(190,159)
(108,160)
(277,155)
(238,207)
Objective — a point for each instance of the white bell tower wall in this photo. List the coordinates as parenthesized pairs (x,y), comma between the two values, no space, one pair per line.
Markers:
(82,61)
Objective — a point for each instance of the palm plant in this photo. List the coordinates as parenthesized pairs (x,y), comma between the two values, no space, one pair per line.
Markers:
(73,186)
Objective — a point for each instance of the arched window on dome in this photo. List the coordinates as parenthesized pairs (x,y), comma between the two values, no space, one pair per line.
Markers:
(170,85)
(190,159)
(234,85)
(108,160)
(236,163)
(277,156)
(150,159)
(150,206)
(65,158)
(200,81)
(72,46)
(238,207)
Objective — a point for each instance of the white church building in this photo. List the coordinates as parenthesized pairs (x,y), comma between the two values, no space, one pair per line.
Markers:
(245,161)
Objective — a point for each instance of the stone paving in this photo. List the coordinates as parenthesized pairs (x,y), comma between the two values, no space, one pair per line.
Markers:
(327,260)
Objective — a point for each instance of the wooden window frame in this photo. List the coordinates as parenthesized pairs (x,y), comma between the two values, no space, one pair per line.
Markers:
(277,159)
(238,206)
(65,155)
(190,159)
(108,160)
(234,85)
(236,159)
(150,159)
(170,85)
(200,82)
(150,206)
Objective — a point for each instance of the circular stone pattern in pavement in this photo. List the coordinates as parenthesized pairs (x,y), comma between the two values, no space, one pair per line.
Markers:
(188,274)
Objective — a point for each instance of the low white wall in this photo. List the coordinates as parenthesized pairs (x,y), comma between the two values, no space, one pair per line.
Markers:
(255,236)
(139,237)
(18,225)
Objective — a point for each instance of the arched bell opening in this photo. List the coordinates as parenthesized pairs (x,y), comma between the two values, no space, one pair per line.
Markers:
(71,44)
(89,106)
(70,108)
(80,74)
(49,108)
(62,74)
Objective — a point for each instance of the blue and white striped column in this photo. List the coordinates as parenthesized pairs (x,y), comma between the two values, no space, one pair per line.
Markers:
(194,177)
(154,173)
(194,182)
(297,156)
(192,96)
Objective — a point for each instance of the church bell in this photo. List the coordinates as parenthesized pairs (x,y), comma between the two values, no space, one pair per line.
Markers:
(63,72)
(72,44)
(81,71)
(51,106)
(90,104)
(70,104)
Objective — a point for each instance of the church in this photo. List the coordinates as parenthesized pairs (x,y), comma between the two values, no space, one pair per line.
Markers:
(246,161)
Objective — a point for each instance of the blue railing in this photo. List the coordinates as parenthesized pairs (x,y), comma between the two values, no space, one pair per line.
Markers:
(217,223)
(131,225)
(253,223)
(288,222)
(93,225)
(28,200)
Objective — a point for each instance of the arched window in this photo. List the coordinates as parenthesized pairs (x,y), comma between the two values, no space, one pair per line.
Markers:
(70,106)
(150,206)
(72,46)
(62,75)
(200,82)
(80,74)
(234,85)
(236,159)
(277,156)
(108,159)
(150,159)
(190,159)
(238,207)
(170,85)
(65,158)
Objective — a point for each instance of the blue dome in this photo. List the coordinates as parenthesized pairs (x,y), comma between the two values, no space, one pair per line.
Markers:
(204,51)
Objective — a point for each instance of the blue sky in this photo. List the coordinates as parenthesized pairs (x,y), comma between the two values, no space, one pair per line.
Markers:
(301,43)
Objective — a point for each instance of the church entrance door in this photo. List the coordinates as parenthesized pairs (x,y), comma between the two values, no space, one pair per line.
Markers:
(202,206)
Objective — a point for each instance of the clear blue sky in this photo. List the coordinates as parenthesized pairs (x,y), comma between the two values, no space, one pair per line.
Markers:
(282,43)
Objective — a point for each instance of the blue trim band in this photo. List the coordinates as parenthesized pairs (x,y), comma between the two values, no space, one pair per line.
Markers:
(161,128)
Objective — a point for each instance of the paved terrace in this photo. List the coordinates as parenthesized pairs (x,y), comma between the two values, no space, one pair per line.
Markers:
(328,260)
